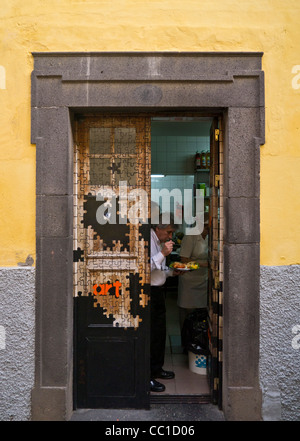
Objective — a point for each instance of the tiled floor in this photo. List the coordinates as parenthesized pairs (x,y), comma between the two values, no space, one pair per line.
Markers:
(185,382)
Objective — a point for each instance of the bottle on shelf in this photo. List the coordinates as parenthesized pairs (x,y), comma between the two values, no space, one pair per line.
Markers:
(197,161)
(203,159)
(208,159)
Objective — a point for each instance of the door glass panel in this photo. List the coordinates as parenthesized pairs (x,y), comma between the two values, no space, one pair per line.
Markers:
(100,171)
(127,171)
(125,140)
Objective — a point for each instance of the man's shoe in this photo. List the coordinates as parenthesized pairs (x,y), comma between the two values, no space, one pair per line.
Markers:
(165,375)
(155,386)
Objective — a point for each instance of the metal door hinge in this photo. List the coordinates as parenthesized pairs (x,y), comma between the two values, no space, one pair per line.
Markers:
(216,383)
(217,133)
(217,180)
(216,282)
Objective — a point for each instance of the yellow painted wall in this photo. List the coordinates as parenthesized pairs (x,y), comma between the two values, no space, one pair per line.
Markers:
(270,26)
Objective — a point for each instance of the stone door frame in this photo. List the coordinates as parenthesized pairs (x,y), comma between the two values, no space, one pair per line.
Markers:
(231,84)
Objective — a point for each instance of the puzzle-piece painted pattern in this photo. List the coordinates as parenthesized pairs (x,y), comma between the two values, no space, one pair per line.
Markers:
(111,254)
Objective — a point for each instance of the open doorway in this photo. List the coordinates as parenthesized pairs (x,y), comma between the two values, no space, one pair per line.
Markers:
(214,82)
(185,163)
(111,276)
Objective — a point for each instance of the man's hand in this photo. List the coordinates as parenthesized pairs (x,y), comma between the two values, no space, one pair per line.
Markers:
(177,273)
(167,248)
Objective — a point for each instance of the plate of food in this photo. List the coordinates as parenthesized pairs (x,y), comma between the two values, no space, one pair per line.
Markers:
(184,266)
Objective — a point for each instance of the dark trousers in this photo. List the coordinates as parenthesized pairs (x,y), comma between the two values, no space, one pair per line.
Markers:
(158,329)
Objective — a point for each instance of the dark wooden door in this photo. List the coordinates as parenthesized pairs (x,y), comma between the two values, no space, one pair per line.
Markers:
(111,262)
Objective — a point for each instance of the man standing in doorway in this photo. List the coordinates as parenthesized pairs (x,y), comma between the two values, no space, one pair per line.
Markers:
(161,246)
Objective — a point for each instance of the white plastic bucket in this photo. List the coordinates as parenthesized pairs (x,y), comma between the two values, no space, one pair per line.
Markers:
(197,363)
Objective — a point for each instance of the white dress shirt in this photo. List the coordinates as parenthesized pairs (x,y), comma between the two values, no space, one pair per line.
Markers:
(159,270)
